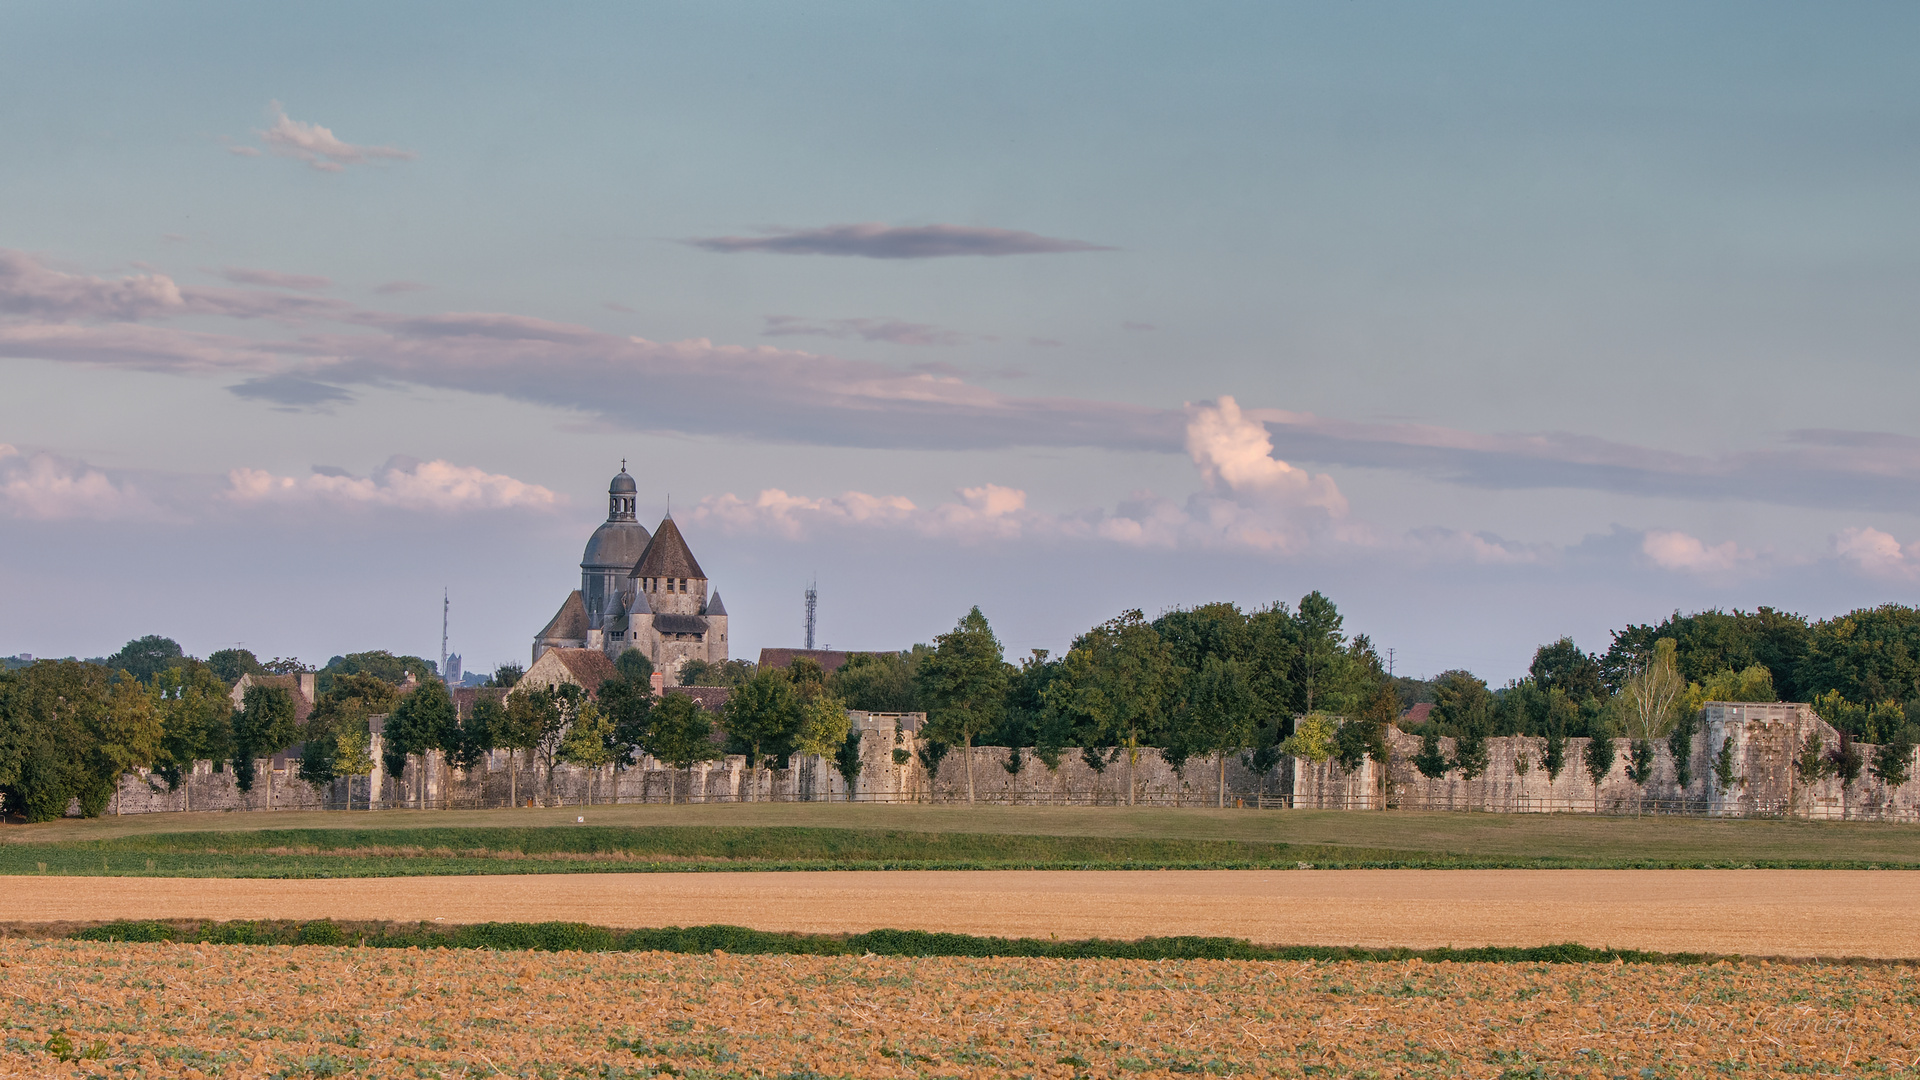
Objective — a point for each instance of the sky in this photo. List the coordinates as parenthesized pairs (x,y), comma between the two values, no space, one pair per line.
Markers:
(1493,322)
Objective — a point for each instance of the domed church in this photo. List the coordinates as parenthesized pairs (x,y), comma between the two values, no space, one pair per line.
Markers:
(639,590)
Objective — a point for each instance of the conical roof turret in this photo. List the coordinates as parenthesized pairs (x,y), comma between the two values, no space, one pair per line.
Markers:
(667,555)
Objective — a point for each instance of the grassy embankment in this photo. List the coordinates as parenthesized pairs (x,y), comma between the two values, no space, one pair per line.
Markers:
(788,836)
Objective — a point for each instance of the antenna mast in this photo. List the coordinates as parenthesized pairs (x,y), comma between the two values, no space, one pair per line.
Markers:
(813,600)
(446,605)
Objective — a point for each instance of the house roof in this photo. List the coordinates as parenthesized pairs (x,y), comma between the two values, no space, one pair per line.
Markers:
(680,624)
(465,696)
(586,668)
(830,660)
(667,555)
(1419,714)
(710,698)
(714,606)
(569,623)
(295,685)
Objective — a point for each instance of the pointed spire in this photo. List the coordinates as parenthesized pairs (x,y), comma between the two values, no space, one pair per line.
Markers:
(667,555)
(714,606)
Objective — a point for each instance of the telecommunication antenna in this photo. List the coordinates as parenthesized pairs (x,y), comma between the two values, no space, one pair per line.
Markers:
(1389,663)
(446,605)
(813,601)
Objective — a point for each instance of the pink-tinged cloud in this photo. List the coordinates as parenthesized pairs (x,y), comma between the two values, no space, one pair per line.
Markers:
(893,331)
(438,486)
(273,279)
(1876,554)
(139,348)
(876,241)
(1683,552)
(28,287)
(44,487)
(395,288)
(319,148)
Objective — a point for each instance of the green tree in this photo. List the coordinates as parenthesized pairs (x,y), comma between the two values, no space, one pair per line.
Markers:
(424,720)
(263,727)
(1562,714)
(69,731)
(196,719)
(633,666)
(1711,641)
(679,735)
(506,676)
(588,743)
(230,664)
(1640,758)
(629,706)
(1562,666)
(1113,688)
(1430,761)
(481,731)
(1893,761)
(880,682)
(1653,694)
(146,657)
(824,726)
(761,717)
(353,756)
(964,684)
(379,663)
(847,761)
(1365,735)
(517,730)
(1315,738)
(1600,755)
(1215,714)
(1322,671)
(565,703)
(1464,705)
(723,673)
(1724,766)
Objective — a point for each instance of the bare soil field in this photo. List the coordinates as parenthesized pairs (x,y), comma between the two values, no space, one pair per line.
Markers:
(248,1011)
(1747,912)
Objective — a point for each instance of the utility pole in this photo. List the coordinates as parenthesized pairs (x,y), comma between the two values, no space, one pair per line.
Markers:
(1389,663)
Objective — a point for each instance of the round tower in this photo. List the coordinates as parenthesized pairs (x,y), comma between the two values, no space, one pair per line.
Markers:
(614,549)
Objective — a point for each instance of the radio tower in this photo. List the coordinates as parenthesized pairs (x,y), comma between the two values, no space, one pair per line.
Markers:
(813,601)
(446,605)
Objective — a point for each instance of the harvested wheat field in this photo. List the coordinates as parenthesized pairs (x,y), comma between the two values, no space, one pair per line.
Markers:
(318,1011)
(1749,912)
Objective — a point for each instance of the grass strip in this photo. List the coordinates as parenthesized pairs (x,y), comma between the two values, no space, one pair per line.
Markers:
(582,937)
(452,851)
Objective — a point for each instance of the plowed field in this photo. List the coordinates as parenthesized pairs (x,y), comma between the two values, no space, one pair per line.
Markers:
(313,1011)
(1758,912)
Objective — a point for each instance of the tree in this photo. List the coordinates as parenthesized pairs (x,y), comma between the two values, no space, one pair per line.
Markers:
(1215,714)
(517,728)
(69,731)
(723,673)
(1113,688)
(679,735)
(1463,704)
(1724,767)
(1561,714)
(1640,759)
(1893,761)
(379,663)
(353,756)
(881,682)
(633,666)
(847,761)
(506,676)
(1562,666)
(1315,738)
(1845,760)
(628,705)
(1680,747)
(1869,655)
(423,721)
(1430,761)
(565,702)
(1653,694)
(1712,641)
(1600,754)
(824,726)
(146,657)
(588,742)
(264,726)
(196,719)
(761,716)
(1365,735)
(230,664)
(964,684)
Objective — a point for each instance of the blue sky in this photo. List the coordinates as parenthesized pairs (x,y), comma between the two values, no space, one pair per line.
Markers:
(1495,322)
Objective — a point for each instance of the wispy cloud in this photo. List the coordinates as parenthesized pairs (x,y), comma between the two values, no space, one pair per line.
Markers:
(46,487)
(395,288)
(894,331)
(291,393)
(273,279)
(402,482)
(876,241)
(317,146)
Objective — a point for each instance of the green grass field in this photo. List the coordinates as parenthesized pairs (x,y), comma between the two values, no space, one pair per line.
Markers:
(812,836)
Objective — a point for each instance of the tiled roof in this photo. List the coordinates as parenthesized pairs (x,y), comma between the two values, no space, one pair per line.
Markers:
(589,667)
(1419,714)
(667,555)
(569,623)
(710,698)
(465,696)
(830,660)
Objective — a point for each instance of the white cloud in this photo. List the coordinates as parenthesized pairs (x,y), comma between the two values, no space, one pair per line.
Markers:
(1671,550)
(319,147)
(402,482)
(1874,553)
(48,488)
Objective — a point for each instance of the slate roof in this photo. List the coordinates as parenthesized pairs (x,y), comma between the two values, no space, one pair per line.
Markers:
(569,623)
(714,606)
(710,698)
(680,624)
(830,660)
(589,667)
(616,543)
(667,555)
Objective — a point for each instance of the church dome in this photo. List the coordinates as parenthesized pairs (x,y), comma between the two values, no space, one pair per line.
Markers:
(622,485)
(616,544)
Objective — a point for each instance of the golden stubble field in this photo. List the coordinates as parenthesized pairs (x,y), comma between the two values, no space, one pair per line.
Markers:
(1832,913)
(312,1011)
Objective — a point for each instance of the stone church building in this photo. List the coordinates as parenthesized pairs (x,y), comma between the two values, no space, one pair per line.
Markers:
(639,590)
